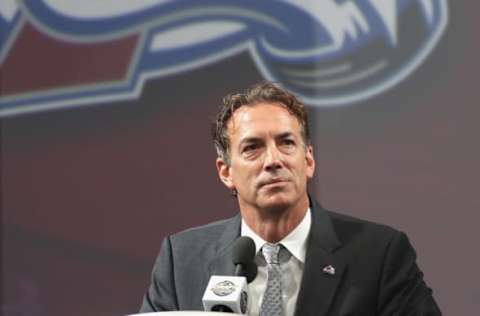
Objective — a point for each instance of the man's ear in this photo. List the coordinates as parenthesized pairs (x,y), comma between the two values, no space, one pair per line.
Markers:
(310,161)
(224,173)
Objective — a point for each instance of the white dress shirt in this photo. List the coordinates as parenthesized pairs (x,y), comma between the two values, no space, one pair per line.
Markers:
(291,264)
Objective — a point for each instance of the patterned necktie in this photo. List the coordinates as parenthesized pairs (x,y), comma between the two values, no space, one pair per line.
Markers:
(272,298)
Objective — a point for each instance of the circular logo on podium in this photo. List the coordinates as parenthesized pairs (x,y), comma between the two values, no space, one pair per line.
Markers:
(224,288)
(244,302)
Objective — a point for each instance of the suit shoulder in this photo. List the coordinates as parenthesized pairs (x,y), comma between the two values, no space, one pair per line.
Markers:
(209,230)
(347,223)
(198,244)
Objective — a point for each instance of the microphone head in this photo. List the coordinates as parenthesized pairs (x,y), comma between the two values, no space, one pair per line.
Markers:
(243,256)
(243,250)
(249,271)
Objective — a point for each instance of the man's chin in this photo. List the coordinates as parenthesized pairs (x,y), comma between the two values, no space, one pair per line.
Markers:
(276,203)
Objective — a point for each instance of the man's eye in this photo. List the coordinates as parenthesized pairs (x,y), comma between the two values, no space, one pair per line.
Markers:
(288,142)
(250,147)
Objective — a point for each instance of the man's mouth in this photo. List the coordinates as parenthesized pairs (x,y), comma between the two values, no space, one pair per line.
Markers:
(272,181)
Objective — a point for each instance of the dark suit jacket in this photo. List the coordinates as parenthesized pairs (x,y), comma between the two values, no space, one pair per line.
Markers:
(375,269)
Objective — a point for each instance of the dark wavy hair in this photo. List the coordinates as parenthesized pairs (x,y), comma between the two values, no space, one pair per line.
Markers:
(264,92)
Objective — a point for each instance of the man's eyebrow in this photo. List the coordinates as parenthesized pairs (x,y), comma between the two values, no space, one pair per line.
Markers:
(250,140)
(285,135)
(253,139)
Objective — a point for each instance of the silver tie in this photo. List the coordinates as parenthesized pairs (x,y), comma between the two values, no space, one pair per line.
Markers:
(272,298)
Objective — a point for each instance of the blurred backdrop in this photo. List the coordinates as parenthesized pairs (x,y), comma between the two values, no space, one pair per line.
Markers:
(105,144)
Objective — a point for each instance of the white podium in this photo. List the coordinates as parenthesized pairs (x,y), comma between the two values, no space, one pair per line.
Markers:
(185,313)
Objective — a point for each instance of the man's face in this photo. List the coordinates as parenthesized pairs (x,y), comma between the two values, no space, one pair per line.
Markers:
(269,162)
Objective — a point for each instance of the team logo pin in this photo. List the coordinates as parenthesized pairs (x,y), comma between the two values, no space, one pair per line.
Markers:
(329,270)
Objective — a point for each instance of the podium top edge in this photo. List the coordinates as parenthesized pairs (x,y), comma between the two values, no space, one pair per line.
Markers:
(182,313)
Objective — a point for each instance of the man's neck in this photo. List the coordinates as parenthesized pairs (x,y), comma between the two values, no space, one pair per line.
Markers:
(274,225)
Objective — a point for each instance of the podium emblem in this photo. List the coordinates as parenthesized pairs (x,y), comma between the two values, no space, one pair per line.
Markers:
(224,288)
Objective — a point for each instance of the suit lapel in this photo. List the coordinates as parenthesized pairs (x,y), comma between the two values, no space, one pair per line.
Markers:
(221,263)
(320,281)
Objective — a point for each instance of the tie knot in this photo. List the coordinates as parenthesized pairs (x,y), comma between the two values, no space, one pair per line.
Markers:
(270,252)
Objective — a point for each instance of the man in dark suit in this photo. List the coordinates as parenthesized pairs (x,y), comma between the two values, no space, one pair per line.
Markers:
(324,263)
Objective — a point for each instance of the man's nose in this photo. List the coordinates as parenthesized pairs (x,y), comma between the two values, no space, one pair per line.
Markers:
(272,158)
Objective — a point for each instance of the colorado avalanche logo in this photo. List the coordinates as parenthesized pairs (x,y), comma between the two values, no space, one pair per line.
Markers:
(329,52)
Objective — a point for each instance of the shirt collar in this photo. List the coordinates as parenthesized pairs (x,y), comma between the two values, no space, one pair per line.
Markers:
(295,241)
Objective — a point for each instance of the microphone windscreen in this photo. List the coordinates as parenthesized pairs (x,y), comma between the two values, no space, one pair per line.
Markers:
(243,251)
(250,271)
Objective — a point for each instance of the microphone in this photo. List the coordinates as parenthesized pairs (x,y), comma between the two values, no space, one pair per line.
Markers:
(230,293)
(243,255)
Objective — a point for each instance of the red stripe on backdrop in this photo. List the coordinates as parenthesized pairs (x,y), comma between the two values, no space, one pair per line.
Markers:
(56,63)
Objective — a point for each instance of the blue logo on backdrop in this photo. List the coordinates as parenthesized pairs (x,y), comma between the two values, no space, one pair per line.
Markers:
(329,52)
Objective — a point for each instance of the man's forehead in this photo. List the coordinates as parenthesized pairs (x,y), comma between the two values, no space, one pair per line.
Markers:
(250,118)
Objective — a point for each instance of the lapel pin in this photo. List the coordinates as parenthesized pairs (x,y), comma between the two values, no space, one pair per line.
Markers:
(329,270)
